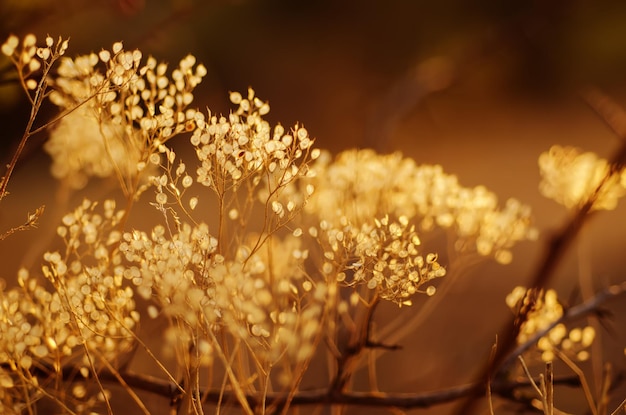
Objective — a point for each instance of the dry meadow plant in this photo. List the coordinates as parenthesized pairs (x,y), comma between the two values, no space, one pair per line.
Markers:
(269,253)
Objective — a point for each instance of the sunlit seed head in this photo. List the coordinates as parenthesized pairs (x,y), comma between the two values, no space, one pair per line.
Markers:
(161,198)
(104,55)
(8,47)
(79,391)
(26,362)
(193,202)
(503,256)
(575,335)
(235,98)
(547,356)
(43,53)
(588,336)
(29,40)
(187,181)
(233,214)
(117,47)
(354,299)
(155,158)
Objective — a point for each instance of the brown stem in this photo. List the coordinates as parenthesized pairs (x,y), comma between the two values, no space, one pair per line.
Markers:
(361,340)
(574,313)
(22,143)
(554,252)
(166,389)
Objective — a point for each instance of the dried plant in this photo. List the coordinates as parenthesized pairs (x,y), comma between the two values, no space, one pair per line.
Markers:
(269,252)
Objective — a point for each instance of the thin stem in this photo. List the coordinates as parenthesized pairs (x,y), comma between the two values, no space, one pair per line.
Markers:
(548,389)
(554,252)
(348,359)
(124,385)
(583,380)
(619,407)
(20,148)
(529,375)
(239,393)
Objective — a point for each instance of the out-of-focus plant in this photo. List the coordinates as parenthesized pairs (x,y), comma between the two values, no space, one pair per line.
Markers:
(269,252)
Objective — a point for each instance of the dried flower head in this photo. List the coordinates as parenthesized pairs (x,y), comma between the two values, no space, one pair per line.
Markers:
(382,255)
(544,313)
(128,110)
(84,314)
(31,61)
(299,242)
(261,298)
(361,184)
(571,178)
(244,148)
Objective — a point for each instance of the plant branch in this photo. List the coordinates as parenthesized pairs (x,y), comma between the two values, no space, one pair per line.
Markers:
(336,396)
(167,389)
(346,363)
(554,252)
(573,313)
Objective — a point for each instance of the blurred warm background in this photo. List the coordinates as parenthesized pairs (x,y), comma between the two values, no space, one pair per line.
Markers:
(479,87)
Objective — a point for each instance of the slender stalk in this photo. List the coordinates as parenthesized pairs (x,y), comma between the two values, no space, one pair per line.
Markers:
(554,252)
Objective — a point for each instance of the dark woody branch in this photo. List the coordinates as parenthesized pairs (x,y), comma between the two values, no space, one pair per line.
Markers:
(501,386)
(556,247)
(591,306)
(166,389)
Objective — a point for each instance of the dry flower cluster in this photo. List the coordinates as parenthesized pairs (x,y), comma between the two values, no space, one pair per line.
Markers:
(571,177)
(86,319)
(543,317)
(360,185)
(121,113)
(297,245)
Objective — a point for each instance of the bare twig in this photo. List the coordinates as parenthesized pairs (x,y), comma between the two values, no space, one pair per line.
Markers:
(583,380)
(40,93)
(608,110)
(620,407)
(31,222)
(549,389)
